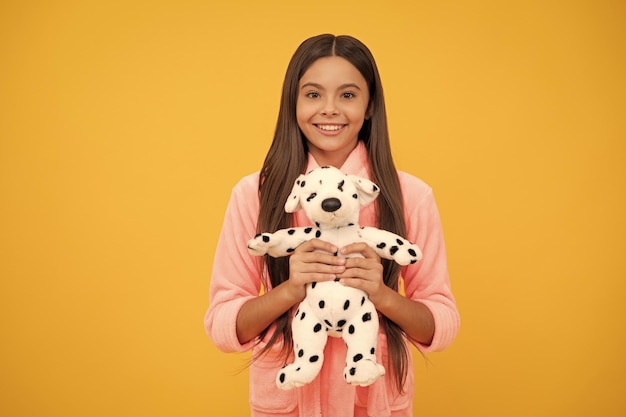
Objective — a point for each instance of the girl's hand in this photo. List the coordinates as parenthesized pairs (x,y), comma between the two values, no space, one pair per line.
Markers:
(364,273)
(312,261)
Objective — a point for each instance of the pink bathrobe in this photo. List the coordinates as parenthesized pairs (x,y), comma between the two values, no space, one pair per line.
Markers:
(235,279)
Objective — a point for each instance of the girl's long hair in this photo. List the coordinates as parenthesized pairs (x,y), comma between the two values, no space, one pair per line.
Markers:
(287,158)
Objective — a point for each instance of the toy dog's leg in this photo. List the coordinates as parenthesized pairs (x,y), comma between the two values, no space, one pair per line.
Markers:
(361,337)
(309,340)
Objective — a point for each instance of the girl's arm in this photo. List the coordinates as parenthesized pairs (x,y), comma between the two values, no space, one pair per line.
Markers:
(428,314)
(413,317)
(311,261)
(428,282)
(236,313)
(258,313)
(367,274)
(235,275)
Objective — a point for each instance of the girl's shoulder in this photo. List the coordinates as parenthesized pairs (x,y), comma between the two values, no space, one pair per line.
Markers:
(414,189)
(247,185)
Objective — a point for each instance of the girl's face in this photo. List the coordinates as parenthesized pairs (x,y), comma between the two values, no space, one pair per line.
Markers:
(332,104)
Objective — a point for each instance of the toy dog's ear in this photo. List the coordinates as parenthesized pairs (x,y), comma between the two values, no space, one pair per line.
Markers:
(368,191)
(293,201)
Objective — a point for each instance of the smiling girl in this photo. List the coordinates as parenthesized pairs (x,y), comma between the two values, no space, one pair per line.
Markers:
(332,112)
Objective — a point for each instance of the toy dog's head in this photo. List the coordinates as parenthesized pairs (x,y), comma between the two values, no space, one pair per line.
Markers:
(330,198)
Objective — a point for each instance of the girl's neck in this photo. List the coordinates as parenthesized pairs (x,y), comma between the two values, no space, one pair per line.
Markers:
(335,158)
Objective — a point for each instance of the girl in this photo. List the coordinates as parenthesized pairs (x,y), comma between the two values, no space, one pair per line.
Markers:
(332,112)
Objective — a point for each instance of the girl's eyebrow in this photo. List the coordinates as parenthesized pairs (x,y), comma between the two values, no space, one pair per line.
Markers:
(319,86)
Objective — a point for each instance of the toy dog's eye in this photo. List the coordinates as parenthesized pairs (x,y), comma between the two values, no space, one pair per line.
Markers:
(311,197)
(340,186)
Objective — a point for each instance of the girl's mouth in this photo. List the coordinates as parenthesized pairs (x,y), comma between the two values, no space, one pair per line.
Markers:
(329,127)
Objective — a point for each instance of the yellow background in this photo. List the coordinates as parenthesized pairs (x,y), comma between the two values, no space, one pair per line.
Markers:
(124,125)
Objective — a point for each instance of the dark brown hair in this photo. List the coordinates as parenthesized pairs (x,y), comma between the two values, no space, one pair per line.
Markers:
(287,158)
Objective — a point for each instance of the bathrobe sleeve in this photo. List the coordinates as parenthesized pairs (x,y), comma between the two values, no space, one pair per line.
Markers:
(428,280)
(235,277)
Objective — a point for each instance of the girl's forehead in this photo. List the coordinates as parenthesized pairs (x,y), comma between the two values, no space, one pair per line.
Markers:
(332,70)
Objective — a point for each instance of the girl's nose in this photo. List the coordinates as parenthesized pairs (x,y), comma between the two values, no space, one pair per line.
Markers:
(329,108)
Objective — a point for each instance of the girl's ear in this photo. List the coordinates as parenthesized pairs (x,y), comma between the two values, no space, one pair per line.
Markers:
(293,201)
(370,111)
(367,190)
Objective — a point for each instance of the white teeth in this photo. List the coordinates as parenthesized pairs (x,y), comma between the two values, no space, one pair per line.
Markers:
(330,127)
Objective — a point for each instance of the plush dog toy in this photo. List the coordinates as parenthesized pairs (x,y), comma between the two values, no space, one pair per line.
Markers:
(332,201)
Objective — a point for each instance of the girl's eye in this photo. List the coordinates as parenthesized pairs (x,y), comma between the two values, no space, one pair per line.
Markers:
(313,94)
(347,95)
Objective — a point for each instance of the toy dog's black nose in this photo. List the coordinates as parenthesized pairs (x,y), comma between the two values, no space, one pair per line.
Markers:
(331,205)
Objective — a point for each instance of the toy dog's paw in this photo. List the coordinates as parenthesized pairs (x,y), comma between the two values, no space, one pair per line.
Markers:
(404,252)
(260,244)
(294,376)
(363,373)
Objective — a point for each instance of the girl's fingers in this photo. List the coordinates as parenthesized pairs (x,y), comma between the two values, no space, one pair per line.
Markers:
(321,258)
(366,272)
(318,251)
(310,268)
(315,260)
(370,261)
(361,248)
(317,245)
